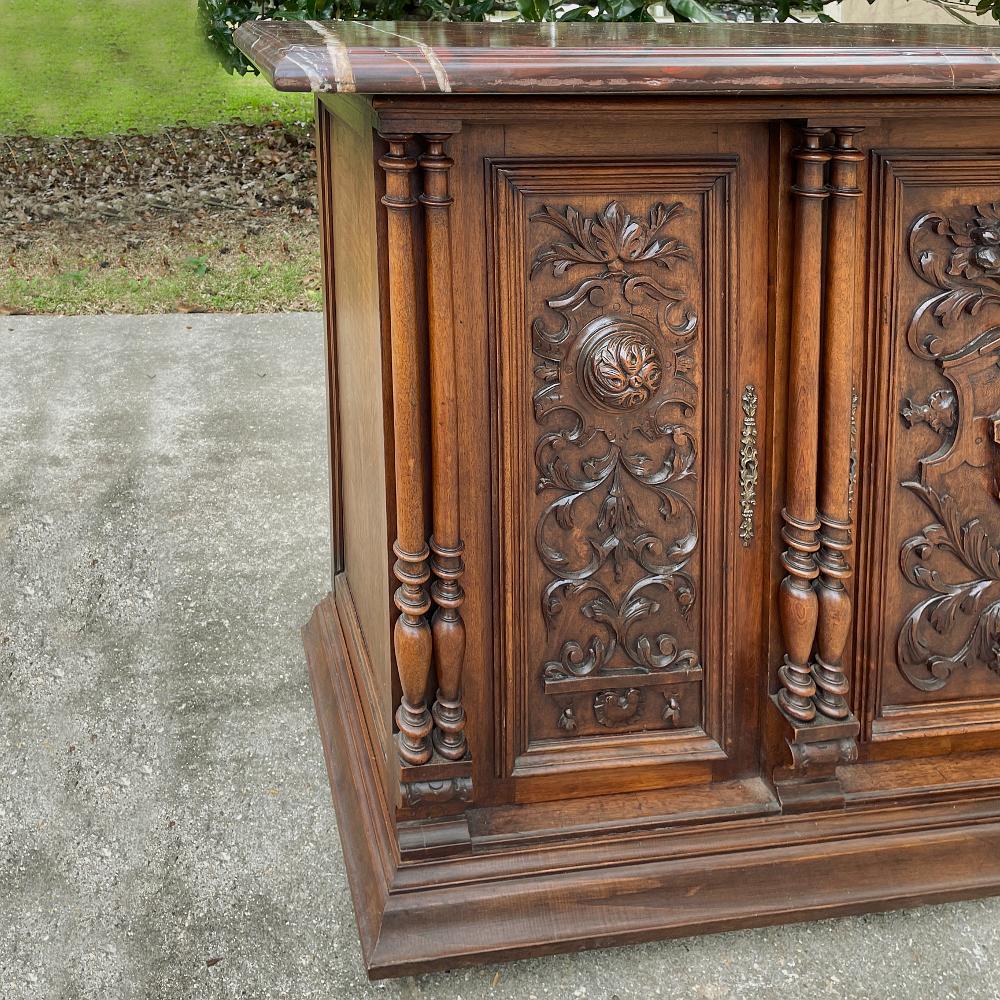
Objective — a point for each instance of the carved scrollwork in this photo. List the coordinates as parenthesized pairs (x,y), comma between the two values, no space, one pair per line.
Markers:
(614,390)
(953,559)
(748,465)
(975,599)
(961,258)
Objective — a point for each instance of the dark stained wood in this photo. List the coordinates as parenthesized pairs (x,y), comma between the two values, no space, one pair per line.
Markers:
(837,365)
(412,634)
(362,811)
(798,604)
(474,346)
(436,58)
(683,416)
(446,544)
(653,680)
(814,604)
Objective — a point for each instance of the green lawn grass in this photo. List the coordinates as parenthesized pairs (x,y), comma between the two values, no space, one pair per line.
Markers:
(101,66)
(270,271)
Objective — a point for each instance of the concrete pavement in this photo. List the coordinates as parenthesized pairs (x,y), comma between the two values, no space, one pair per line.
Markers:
(165,825)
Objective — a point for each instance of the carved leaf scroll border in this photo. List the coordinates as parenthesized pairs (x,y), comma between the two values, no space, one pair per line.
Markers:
(712,181)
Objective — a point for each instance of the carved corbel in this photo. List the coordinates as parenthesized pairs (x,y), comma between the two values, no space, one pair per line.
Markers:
(437,789)
(810,781)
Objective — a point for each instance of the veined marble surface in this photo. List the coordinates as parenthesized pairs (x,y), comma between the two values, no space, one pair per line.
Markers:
(516,58)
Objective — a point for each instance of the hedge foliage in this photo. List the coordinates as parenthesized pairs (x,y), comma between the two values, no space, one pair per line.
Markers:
(219,18)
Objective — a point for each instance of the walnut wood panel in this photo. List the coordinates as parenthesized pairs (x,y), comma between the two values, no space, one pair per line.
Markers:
(615,337)
(362,367)
(933,624)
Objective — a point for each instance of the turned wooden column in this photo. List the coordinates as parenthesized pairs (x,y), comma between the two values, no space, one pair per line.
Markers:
(412,634)
(835,441)
(798,604)
(446,542)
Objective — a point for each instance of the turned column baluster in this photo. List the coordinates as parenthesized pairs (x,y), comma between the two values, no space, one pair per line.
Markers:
(838,355)
(412,634)
(446,542)
(798,605)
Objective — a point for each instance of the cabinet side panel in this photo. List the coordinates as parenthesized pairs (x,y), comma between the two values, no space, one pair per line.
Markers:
(324,160)
(361,362)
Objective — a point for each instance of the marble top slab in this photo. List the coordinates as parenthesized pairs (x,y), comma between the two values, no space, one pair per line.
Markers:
(423,57)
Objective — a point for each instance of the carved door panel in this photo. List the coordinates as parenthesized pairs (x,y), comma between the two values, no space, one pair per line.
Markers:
(631,337)
(930,630)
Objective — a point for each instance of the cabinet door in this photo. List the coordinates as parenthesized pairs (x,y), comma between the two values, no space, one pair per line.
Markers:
(630,328)
(930,616)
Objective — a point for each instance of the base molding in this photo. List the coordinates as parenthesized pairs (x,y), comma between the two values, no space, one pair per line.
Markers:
(449,901)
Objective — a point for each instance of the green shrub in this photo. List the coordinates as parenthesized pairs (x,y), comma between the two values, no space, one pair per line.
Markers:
(219,18)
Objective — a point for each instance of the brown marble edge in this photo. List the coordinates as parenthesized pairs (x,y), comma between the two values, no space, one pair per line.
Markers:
(339,57)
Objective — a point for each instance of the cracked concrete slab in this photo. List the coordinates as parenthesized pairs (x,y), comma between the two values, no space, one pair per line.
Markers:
(165,825)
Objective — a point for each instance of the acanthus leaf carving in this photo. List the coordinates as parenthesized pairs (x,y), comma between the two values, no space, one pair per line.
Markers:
(961,258)
(953,560)
(615,389)
(671,710)
(567,720)
(976,598)
(611,237)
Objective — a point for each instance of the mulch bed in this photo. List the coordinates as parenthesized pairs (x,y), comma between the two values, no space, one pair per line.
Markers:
(176,179)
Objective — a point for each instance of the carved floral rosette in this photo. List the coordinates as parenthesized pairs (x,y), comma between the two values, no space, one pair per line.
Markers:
(953,559)
(614,399)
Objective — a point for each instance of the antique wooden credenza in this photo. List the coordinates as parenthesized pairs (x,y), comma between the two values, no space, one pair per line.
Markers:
(664,380)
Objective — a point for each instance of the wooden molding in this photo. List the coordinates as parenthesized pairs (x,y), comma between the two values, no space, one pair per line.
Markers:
(496,897)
